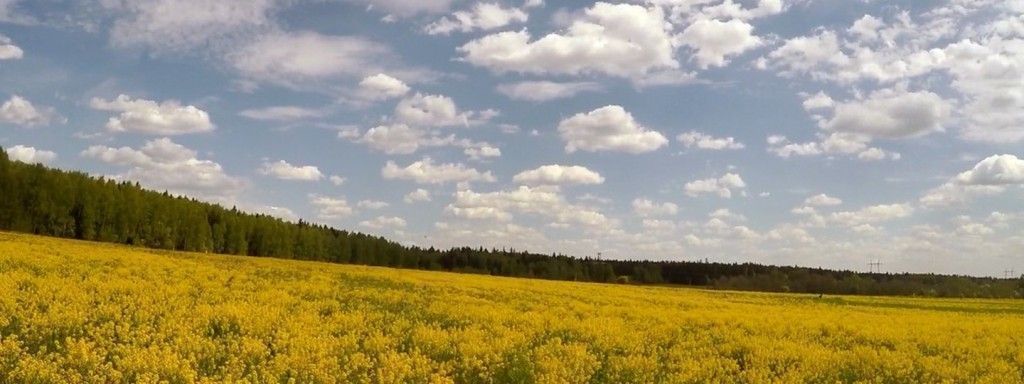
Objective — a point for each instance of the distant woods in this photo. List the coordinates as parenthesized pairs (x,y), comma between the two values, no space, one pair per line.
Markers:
(39,200)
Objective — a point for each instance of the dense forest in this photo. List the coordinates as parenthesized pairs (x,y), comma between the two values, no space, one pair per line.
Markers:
(40,200)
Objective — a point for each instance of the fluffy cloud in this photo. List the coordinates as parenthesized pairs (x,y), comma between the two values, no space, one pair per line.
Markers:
(418,121)
(731,10)
(426,172)
(722,186)
(834,143)
(723,225)
(822,200)
(149,117)
(436,111)
(479,212)
(483,16)
(704,141)
(867,50)
(283,170)
(890,114)
(659,226)
(647,208)
(727,215)
(482,151)
(9,51)
(715,40)
(818,101)
(983,62)
(988,177)
(538,91)
(994,170)
(866,28)
(853,124)
(419,194)
(382,222)
(337,180)
(542,201)
(381,87)
(19,111)
(394,139)
(330,208)
(30,155)
(622,40)
(554,174)
(872,214)
(819,200)
(281,113)
(609,128)
(164,164)
(988,74)
(952,192)
(804,54)
(402,139)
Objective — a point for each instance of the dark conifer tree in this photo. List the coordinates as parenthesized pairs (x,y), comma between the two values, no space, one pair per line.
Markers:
(40,200)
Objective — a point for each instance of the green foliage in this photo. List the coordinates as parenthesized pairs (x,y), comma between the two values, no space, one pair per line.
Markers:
(39,200)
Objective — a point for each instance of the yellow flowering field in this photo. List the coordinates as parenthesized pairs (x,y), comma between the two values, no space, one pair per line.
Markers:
(95,313)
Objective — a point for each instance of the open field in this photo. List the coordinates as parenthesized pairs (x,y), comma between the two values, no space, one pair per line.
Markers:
(85,312)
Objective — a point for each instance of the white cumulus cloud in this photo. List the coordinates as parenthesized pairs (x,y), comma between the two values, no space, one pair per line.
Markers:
(715,41)
(890,114)
(872,214)
(994,170)
(381,87)
(646,208)
(722,186)
(623,40)
(694,139)
(554,174)
(427,172)
(422,110)
(822,200)
(150,117)
(164,164)
(30,155)
(9,51)
(330,208)
(283,170)
(541,201)
(19,111)
(609,128)
(382,222)
(482,16)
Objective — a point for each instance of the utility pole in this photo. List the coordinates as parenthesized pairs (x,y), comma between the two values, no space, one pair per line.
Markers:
(875,266)
(1008,274)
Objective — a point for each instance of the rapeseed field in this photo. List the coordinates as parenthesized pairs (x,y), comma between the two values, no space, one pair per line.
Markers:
(77,312)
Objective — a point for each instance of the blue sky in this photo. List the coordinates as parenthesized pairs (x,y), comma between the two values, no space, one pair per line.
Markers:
(819,133)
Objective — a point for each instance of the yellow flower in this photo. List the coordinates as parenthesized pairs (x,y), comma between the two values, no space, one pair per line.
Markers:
(96,313)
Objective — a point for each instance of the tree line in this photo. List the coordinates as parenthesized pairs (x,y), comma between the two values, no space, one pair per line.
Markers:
(45,201)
